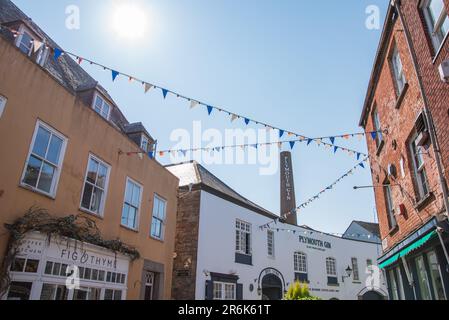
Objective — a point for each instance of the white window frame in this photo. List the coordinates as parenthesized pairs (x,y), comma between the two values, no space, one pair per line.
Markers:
(419,171)
(105,191)
(435,27)
(398,69)
(270,243)
(23,29)
(222,291)
(331,267)
(136,228)
(355,269)
(242,228)
(378,127)
(159,198)
(104,101)
(58,169)
(3,101)
(144,143)
(300,262)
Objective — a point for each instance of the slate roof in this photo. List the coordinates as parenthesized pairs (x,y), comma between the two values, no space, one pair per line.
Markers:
(195,174)
(369,226)
(66,71)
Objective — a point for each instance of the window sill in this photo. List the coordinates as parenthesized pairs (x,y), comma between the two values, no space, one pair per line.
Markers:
(157,239)
(93,214)
(440,49)
(402,96)
(129,229)
(357,282)
(47,195)
(333,284)
(421,204)
(381,146)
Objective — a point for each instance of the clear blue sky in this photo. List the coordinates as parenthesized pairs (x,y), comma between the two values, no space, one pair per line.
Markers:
(296,64)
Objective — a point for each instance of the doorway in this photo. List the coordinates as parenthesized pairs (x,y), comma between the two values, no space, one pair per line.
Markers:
(272,287)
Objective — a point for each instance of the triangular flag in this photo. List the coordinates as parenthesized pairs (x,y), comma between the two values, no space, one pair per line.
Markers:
(114,74)
(57,53)
(151,154)
(280,144)
(358,156)
(80,60)
(332,139)
(362,165)
(234,117)
(335,149)
(37,45)
(210,109)
(246,121)
(292,144)
(281,133)
(193,104)
(148,87)
(309,141)
(374,135)
(164,93)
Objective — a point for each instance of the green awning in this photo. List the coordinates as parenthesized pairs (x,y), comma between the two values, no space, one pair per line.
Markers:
(416,245)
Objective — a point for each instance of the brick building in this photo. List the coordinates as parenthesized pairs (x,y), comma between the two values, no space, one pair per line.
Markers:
(64,145)
(408,99)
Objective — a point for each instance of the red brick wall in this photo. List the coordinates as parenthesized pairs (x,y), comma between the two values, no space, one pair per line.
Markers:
(436,90)
(400,124)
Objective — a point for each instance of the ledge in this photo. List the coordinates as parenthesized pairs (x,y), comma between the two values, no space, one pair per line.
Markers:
(401,96)
(421,204)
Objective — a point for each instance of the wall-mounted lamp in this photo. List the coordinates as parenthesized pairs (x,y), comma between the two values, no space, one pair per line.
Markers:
(348,272)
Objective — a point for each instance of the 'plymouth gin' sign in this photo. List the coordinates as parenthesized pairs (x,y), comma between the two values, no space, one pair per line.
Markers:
(288,200)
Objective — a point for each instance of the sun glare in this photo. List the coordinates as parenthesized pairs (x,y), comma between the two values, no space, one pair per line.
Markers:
(129,21)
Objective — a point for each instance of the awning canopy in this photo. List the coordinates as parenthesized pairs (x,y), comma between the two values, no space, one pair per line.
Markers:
(410,248)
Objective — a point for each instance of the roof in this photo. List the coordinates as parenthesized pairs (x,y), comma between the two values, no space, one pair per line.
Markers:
(65,71)
(378,63)
(373,228)
(193,173)
(137,127)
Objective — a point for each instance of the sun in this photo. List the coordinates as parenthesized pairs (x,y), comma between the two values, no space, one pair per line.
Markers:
(129,21)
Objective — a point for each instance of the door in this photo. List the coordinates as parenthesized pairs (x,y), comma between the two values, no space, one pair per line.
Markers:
(149,286)
(272,288)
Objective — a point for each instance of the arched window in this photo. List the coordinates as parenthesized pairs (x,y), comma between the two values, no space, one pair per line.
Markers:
(331,267)
(300,260)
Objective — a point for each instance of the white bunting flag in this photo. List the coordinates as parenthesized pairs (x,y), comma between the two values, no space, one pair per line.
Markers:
(37,45)
(234,117)
(193,104)
(148,87)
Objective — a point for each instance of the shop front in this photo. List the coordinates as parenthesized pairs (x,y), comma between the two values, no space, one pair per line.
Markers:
(57,268)
(417,269)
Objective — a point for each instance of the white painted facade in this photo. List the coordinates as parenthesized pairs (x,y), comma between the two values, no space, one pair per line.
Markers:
(217,248)
(100,274)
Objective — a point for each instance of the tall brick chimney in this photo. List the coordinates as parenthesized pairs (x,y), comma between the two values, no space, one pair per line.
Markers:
(288,200)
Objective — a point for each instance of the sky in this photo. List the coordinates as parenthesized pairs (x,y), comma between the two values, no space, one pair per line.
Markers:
(296,64)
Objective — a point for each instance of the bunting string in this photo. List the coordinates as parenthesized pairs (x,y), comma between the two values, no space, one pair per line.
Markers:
(317,196)
(314,232)
(328,142)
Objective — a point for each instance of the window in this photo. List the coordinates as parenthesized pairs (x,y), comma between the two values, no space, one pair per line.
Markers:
(101,106)
(24,265)
(110,294)
(398,71)
(87,294)
(300,262)
(145,143)
(355,269)
(378,128)
(369,265)
(45,160)
(420,175)
(436,276)
(2,104)
(437,21)
(158,222)
(95,186)
(270,243)
(20,291)
(25,41)
(395,290)
(243,237)
(131,206)
(331,267)
(389,206)
(423,279)
(224,291)
(54,292)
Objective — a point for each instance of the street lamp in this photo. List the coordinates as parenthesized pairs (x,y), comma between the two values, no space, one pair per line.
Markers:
(348,272)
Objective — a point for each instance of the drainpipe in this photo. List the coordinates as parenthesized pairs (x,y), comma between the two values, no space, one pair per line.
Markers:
(433,136)
(429,119)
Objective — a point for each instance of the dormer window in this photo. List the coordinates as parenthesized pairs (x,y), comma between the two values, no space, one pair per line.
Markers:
(25,41)
(101,106)
(145,143)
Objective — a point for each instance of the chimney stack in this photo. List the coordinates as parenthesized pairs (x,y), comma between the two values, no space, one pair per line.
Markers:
(288,200)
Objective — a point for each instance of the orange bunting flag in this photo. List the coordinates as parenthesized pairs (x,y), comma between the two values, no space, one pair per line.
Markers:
(162,153)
